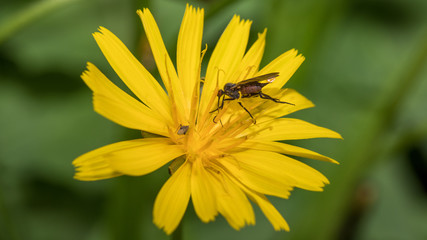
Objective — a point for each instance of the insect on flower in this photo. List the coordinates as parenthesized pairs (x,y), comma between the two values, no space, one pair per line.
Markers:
(183,129)
(247,88)
(219,169)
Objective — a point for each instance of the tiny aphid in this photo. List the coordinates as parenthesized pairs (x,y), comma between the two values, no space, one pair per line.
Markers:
(182,129)
(247,88)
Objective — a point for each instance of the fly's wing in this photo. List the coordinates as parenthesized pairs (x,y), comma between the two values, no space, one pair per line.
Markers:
(269,77)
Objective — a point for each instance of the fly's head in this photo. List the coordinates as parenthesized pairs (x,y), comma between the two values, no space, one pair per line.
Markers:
(220,93)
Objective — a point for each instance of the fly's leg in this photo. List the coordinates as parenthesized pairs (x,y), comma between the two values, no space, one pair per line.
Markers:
(265,96)
(220,106)
(253,119)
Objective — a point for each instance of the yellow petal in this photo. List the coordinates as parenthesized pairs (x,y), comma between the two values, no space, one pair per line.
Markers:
(275,218)
(164,64)
(132,73)
(233,203)
(172,200)
(267,208)
(94,165)
(263,180)
(202,192)
(188,51)
(287,129)
(286,64)
(149,155)
(116,105)
(285,149)
(225,58)
(250,62)
(271,110)
(282,168)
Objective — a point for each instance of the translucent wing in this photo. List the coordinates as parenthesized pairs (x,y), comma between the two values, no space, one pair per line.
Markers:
(269,77)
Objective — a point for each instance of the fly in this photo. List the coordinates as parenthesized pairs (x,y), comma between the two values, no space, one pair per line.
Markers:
(247,88)
(183,129)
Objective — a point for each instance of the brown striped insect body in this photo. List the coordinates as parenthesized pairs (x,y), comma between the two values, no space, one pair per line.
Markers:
(247,88)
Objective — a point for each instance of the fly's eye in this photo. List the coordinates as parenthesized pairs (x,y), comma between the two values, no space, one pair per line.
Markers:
(220,92)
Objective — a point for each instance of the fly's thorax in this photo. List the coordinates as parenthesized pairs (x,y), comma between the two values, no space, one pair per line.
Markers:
(233,94)
(229,90)
(229,86)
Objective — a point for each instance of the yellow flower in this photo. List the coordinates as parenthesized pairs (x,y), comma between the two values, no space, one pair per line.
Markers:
(221,163)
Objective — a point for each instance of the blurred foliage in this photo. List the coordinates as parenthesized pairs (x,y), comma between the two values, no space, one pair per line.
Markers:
(365,70)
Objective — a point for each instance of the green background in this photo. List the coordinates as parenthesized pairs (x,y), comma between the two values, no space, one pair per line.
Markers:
(365,70)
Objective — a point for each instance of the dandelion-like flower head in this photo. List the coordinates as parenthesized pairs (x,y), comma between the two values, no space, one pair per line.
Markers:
(218,156)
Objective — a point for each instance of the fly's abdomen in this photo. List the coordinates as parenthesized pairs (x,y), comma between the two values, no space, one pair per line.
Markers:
(249,90)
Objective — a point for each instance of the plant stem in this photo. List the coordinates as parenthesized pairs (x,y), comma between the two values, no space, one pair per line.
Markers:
(25,17)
